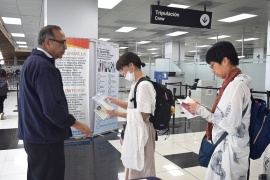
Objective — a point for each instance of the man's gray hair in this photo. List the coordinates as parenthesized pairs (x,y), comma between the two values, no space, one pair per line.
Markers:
(46,32)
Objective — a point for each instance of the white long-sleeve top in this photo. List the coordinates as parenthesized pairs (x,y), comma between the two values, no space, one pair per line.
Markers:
(230,158)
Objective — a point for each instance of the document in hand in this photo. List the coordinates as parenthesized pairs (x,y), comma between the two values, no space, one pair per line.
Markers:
(184,104)
(102,105)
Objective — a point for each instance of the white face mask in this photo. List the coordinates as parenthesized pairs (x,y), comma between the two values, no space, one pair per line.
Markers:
(130,76)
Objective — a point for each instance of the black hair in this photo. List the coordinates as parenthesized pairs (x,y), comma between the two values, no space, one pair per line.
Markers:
(220,50)
(129,57)
(3,73)
(46,32)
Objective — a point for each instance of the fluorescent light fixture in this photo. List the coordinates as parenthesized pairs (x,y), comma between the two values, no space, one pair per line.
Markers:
(108,4)
(9,20)
(177,33)
(126,29)
(240,56)
(20,142)
(123,47)
(238,17)
(178,6)
(176,173)
(153,49)
(170,167)
(193,51)
(20,42)
(104,39)
(154,53)
(202,46)
(248,39)
(1,56)
(219,37)
(143,42)
(17,34)
(22,46)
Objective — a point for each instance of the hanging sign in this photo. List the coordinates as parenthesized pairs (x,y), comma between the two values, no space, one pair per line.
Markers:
(180,17)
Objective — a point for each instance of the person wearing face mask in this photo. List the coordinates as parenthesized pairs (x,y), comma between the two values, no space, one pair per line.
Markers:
(141,137)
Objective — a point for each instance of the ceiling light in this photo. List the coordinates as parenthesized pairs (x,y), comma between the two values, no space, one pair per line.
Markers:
(123,47)
(20,42)
(104,39)
(176,33)
(240,56)
(22,46)
(9,20)
(178,6)
(17,34)
(176,173)
(219,37)
(153,49)
(126,29)
(143,42)
(108,4)
(202,46)
(237,17)
(170,167)
(248,39)
(154,53)
(20,142)
(192,51)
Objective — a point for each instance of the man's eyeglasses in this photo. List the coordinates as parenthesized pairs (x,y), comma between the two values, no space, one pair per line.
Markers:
(211,66)
(62,43)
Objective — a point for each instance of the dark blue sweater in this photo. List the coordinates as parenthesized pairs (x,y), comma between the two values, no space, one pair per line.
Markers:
(43,109)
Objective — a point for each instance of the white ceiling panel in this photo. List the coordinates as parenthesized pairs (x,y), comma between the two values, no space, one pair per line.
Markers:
(137,13)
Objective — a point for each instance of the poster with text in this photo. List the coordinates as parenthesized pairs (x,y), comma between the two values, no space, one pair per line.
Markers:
(74,68)
(107,80)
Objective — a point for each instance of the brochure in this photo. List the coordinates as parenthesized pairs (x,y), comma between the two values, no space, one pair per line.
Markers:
(184,105)
(102,105)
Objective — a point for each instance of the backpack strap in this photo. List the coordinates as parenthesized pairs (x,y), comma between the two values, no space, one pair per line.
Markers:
(135,89)
(221,138)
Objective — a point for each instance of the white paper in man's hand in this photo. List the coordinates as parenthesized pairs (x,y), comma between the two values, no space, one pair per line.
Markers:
(184,104)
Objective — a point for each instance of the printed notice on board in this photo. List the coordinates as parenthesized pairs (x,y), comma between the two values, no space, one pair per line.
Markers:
(74,68)
(107,80)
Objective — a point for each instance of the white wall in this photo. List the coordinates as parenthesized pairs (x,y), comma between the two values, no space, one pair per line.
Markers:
(76,18)
(256,70)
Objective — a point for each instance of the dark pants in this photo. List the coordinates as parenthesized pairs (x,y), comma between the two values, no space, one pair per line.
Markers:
(45,161)
(2,99)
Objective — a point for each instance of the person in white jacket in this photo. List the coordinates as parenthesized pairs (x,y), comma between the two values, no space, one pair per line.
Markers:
(230,160)
(139,143)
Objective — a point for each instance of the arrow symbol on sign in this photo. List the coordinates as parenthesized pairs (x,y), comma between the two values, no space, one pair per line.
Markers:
(204,20)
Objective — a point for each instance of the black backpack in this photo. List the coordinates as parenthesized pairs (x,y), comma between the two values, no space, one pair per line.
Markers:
(259,129)
(3,86)
(164,101)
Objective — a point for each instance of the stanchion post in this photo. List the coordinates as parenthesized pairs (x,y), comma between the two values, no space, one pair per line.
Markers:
(268,95)
(186,90)
(17,90)
(174,91)
(180,89)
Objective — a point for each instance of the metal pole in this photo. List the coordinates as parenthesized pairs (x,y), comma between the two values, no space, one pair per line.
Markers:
(150,66)
(243,40)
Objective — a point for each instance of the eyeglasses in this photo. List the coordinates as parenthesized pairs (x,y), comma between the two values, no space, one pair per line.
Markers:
(211,66)
(62,43)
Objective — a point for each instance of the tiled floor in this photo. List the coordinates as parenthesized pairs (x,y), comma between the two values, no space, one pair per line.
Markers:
(175,157)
